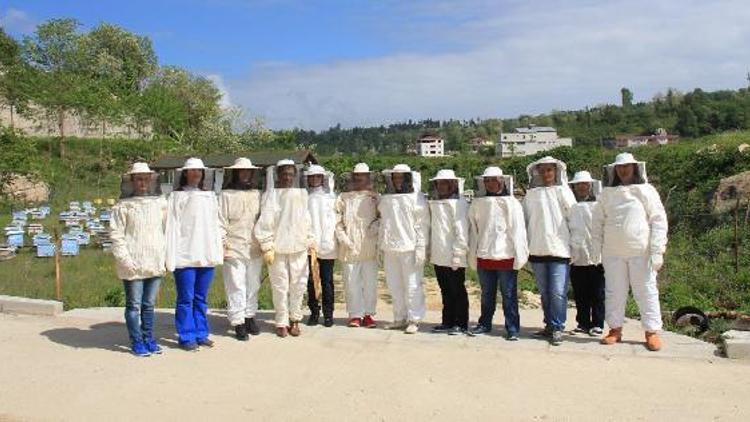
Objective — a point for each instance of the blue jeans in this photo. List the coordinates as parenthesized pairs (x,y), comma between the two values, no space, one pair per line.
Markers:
(190,316)
(508,281)
(552,282)
(140,298)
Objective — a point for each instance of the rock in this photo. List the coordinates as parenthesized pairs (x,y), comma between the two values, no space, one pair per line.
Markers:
(529,300)
(25,189)
(743,148)
(736,344)
(729,188)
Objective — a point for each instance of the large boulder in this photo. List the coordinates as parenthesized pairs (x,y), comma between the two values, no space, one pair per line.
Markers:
(23,188)
(731,188)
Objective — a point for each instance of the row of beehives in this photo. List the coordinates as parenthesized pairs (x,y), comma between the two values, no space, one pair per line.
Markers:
(83,226)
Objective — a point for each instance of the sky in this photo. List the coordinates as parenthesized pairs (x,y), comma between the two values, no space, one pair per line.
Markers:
(316,63)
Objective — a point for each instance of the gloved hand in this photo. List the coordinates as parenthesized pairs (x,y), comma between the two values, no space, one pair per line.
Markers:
(269,256)
(455,263)
(130,266)
(656,261)
(419,257)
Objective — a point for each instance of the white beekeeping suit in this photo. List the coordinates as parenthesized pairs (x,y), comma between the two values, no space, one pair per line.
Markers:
(357,224)
(497,229)
(284,231)
(547,209)
(404,231)
(630,230)
(137,229)
(321,203)
(581,215)
(239,209)
(449,236)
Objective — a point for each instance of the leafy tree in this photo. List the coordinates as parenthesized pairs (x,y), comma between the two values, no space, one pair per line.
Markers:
(626,97)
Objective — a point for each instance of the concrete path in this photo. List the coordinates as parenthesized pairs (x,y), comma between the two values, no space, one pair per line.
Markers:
(77,367)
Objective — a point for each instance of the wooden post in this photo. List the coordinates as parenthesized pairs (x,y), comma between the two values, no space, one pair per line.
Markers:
(736,235)
(58,248)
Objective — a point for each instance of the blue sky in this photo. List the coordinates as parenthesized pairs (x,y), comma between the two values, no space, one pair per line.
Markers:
(313,64)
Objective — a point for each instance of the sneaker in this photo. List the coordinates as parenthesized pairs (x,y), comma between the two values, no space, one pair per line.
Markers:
(294,330)
(314,319)
(355,322)
(479,330)
(252,326)
(396,325)
(369,322)
(653,342)
(240,332)
(442,328)
(153,347)
(596,332)
(454,331)
(557,338)
(412,328)
(189,347)
(511,337)
(139,349)
(281,332)
(545,332)
(328,322)
(208,343)
(579,330)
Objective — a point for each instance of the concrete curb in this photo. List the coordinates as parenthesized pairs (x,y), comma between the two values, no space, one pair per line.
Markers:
(737,344)
(23,305)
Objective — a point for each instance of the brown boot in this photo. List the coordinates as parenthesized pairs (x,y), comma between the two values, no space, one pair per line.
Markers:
(614,336)
(281,331)
(294,329)
(653,342)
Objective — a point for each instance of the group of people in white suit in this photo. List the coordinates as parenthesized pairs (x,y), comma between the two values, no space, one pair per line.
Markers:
(606,238)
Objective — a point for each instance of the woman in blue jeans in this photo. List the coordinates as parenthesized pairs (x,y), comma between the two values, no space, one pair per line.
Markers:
(547,208)
(497,248)
(194,248)
(138,245)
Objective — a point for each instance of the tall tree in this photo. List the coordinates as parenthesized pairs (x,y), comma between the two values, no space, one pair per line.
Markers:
(626,97)
(14,76)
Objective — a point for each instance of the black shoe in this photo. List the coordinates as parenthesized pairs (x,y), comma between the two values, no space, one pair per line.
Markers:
(328,321)
(206,343)
(557,338)
(546,332)
(240,332)
(314,319)
(442,328)
(251,327)
(454,331)
(189,347)
(479,330)
(511,337)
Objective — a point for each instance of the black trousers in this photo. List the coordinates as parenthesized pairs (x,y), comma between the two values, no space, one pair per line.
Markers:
(455,299)
(588,291)
(326,282)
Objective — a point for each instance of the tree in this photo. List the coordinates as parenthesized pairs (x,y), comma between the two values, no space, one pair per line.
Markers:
(55,52)
(14,73)
(627,97)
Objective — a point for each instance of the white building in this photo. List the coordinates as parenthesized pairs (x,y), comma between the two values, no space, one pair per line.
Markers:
(529,140)
(431,146)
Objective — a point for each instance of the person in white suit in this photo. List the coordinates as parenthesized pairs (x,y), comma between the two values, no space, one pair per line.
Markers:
(404,232)
(239,209)
(284,231)
(321,203)
(630,231)
(357,223)
(586,271)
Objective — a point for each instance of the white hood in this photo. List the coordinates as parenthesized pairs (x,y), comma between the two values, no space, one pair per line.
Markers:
(535,179)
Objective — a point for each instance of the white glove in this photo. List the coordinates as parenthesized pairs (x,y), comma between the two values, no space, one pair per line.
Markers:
(656,261)
(419,257)
(269,256)
(455,263)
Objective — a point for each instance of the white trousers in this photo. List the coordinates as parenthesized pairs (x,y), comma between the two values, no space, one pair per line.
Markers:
(635,273)
(288,275)
(361,283)
(404,279)
(241,284)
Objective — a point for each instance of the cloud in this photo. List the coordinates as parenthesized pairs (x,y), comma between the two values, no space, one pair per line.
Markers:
(16,21)
(501,59)
(226,101)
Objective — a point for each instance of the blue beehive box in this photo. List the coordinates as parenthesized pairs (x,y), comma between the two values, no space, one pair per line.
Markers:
(14,238)
(45,250)
(41,238)
(69,245)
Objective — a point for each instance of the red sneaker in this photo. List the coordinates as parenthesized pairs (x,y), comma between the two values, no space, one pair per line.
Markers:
(355,322)
(369,322)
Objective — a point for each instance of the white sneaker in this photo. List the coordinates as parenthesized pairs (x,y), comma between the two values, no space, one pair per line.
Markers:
(411,328)
(396,325)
